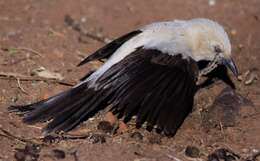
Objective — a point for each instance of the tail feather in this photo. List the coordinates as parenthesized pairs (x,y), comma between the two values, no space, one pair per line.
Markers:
(67,109)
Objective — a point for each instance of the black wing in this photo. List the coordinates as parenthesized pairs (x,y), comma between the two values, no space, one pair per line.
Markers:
(109,49)
(155,86)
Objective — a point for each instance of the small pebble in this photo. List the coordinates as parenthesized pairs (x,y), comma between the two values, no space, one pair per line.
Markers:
(20,156)
(91,119)
(83,19)
(213,157)
(192,151)
(240,46)
(122,127)
(105,126)
(240,78)
(245,150)
(233,32)
(255,150)
(212,2)
(59,154)
(110,117)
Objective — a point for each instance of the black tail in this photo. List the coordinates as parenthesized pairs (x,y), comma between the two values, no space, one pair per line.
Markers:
(67,109)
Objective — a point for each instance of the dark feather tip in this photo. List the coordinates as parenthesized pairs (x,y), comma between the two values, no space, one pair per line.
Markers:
(19,108)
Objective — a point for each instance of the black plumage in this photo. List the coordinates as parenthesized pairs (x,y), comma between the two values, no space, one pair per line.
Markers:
(107,50)
(157,87)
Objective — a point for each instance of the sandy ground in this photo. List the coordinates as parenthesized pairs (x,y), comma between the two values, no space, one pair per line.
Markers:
(33,35)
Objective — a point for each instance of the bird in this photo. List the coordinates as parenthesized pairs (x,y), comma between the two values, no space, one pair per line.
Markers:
(151,73)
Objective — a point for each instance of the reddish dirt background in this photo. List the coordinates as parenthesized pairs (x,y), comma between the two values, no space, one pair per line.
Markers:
(39,25)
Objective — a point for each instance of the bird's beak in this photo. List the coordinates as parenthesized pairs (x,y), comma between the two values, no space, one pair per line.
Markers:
(229,63)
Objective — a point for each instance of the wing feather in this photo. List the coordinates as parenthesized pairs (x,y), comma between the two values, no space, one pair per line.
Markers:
(157,87)
(106,51)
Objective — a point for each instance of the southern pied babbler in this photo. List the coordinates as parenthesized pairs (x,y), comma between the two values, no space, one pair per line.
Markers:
(151,72)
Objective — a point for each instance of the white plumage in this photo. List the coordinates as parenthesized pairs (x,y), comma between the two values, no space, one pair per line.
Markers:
(174,37)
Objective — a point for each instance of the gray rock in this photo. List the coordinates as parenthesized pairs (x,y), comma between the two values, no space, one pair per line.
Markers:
(226,110)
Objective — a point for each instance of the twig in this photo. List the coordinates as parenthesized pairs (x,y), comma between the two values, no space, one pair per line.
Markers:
(24,49)
(97,37)
(20,87)
(56,33)
(77,27)
(222,130)
(8,135)
(16,76)
(74,137)
(30,50)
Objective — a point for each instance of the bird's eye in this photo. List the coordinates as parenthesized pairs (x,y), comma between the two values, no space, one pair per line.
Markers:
(217,49)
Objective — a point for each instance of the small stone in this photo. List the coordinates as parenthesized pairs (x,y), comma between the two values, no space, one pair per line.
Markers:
(245,150)
(105,126)
(240,78)
(137,136)
(20,156)
(122,127)
(110,117)
(213,157)
(255,150)
(59,154)
(212,2)
(192,151)
(83,19)
(240,46)
(233,32)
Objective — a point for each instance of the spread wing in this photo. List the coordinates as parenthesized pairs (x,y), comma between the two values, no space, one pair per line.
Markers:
(106,51)
(157,87)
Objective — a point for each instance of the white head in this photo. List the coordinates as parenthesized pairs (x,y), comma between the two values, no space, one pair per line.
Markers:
(209,41)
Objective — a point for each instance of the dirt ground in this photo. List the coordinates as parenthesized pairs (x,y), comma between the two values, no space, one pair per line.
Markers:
(33,34)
